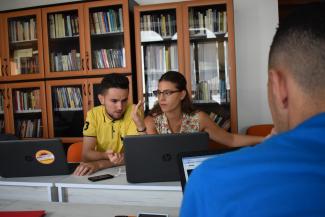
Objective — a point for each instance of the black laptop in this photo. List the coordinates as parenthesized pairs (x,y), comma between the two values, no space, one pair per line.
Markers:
(41,157)
(153,158)
(188,161)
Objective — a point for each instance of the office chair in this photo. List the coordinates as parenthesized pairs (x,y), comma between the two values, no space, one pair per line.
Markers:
(74,152)
(259,130)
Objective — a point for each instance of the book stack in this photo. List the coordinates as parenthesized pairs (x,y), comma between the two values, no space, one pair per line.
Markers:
(22,30)
(106,21)
(25,62)
(163,24)
(69,62)
(28,128)
(222,121)
(63,25)
(211,19)
(67,98)
(108,58)
(27,101)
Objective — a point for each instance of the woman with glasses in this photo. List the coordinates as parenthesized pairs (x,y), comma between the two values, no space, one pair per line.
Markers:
(174,113)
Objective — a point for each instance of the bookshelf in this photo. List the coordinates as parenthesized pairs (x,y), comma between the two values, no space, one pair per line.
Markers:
(64,48)
(107,31)
(204,39)
(59,49)
(67,104)
(87,39)
(26,109)
(159,46)
(210,57)
(22,48)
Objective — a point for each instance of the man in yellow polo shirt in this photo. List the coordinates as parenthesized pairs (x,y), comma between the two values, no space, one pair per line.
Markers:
(106,125)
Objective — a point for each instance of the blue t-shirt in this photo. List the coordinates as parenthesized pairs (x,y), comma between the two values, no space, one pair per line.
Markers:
(283,176)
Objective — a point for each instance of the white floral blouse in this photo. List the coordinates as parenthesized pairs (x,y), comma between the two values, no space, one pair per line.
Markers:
(190,123)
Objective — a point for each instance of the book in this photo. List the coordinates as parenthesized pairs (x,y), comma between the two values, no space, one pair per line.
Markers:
(33,213)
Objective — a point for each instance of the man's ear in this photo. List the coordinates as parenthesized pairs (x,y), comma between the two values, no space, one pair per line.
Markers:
(279,88)
(101,99)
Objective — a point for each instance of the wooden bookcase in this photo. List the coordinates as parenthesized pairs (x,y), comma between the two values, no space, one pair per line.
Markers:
(206,54)
(159,46)
(57,50)
(23,46)
(95,36)
(67,104)
(25,110)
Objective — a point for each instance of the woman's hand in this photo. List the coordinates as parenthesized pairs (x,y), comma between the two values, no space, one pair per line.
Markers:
(137,118)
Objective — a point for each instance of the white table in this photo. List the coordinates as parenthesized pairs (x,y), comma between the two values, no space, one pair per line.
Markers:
(118,191)
(82,210)
(40,188)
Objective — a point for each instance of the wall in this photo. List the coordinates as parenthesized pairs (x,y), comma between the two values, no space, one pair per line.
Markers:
(255,23)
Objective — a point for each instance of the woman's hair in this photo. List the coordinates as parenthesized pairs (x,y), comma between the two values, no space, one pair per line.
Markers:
(180,81)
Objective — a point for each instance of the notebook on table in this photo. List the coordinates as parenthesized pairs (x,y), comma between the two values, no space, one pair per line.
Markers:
(153,158)
(35,157)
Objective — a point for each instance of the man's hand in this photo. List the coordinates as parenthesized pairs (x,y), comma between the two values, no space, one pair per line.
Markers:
(85,169)
(138,120)
(115,158)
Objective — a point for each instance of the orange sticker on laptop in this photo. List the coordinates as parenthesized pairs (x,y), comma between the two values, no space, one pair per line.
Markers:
(45,157)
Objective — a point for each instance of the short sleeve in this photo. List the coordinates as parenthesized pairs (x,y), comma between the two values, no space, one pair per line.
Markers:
(90,125)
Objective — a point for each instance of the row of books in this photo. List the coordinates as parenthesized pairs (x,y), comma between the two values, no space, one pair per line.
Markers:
(25,61)
(164,24)
(222,121)
(60,62)
(26,100)
(160,58)
(106,21)
(63,25)
(29,128)
(213,20)
(22,30)
(67,98)
(108,58)
(209,70)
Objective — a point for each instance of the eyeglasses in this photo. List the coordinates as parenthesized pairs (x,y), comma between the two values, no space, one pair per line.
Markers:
(158,93)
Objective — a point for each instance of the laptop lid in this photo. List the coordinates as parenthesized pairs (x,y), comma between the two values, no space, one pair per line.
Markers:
(41,157)
(188,161)
(153,158)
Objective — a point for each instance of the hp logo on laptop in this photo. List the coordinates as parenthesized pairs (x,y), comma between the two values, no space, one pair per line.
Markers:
(166,157)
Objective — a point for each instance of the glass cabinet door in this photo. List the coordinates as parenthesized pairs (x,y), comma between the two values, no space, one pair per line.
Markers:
(159,49)
(67,110)
(27,112)
(209,65)
(107,37)
(24,45)
(63,36)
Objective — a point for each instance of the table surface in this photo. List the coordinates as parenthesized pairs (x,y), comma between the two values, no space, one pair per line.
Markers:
(118,182)
(54,209)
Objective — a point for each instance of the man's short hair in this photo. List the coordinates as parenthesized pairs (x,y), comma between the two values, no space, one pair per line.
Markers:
(113,80)
(299,45)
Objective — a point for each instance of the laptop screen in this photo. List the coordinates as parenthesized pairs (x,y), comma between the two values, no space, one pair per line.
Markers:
(188,161)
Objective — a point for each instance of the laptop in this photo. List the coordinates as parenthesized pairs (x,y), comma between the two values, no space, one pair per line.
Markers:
(153,158)
(41,157)
(188,161)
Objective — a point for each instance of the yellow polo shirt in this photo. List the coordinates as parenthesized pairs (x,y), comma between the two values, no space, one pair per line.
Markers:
(108,132)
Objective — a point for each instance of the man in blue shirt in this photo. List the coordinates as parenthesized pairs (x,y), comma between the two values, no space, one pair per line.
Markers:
(284,175)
